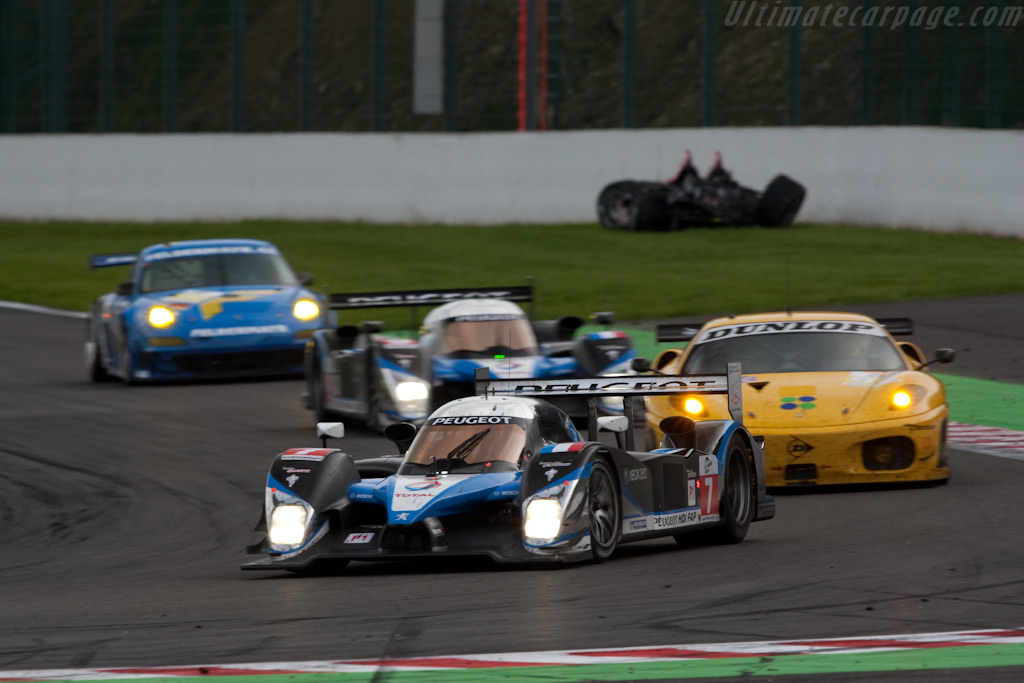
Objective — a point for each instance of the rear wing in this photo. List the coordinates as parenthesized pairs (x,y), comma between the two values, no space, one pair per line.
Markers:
(626,386)
(671,332)
(897,326)
(104,260)
(427,297)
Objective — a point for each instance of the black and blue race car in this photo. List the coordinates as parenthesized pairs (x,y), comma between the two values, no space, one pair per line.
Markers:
(506,475)
(202,309)
(358,372)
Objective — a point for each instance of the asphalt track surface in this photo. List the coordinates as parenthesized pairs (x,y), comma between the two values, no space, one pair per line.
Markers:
(124,512)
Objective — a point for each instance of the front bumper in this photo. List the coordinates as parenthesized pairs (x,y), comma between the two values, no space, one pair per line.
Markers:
(196,360)
(893,450)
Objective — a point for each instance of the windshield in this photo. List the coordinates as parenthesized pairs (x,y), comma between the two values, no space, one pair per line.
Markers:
(467,443)
(795,352)
(216,270)
(475,336)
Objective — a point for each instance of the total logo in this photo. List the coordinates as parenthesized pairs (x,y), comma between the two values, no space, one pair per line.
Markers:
(423,486)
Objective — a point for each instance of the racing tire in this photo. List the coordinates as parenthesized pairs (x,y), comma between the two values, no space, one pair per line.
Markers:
(127,368)
(650,211)
(613,204)
(373,421)
(779,203)
(93,361)
(605,512)
(316,393)
(736,505)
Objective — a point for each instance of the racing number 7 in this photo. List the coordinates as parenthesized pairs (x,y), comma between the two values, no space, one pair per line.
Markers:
(709,496)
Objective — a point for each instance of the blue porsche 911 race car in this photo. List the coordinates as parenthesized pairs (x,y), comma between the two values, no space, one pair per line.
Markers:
(354,371)
(507,475)
(201,309)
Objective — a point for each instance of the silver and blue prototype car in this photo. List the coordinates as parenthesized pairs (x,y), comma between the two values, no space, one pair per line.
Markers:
(506,475)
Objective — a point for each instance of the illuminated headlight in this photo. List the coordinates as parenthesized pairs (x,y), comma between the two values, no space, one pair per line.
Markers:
(287,525)
(160,316)
(543,519)
(304,309)
(693,406)
(411,391)
(906,396)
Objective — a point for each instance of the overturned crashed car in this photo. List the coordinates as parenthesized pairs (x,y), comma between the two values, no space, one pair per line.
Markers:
(690,200)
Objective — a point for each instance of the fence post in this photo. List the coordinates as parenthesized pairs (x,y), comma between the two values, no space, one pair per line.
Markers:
(237,65)
(911,71)
(629,64)
(106,93)
(170,64)
(378,79)
(55,66)
(951,115)
(793,69)
(710,57)
(868,76)
(9,78)
(306,67)
(451,65)
(994,71)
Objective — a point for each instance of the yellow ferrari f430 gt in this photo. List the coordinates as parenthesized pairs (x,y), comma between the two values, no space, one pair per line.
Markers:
(836,398)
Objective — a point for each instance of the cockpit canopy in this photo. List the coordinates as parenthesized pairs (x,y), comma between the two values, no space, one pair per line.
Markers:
(486,434)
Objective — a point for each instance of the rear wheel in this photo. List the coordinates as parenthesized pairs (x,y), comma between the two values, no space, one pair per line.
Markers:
(780,202)
(126,366)
(605,515)
(316,393)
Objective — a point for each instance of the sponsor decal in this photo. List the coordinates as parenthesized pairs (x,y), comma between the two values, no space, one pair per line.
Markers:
(208,251)
(363,496)
(235,331)
(636,474)
(708,465)
(551,474)
(805,402)
(311,454)
(563,448)
(472,420)
(291,480)
(293,470)
(486,317)
(611,386)
(424,297)
(859,378)
(364,537)
(797,448)
(727,331)
(637,524)
(675,519)
(691,492)
(423,486)
(556,464)
(402,516)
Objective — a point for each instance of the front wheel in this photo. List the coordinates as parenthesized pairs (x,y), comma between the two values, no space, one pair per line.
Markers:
(605,515)
(93,361)
(736,504)
(127,367)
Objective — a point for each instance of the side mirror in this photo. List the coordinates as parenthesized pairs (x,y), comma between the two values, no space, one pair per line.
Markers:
(125,289)
(305,279)
(372,326)
(640,364)
(330,430)
(602,318)
(944,356)
(401,434)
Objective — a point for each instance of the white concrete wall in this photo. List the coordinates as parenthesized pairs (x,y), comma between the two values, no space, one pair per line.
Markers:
(932,178)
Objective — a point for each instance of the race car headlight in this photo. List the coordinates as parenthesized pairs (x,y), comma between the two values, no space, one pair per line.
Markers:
(693,406)
(304,309)
(906,396)
(160,316)
(287,525)
(411,391)
(543,519)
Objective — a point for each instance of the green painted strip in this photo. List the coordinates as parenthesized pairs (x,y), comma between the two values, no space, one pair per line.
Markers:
(967,657)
